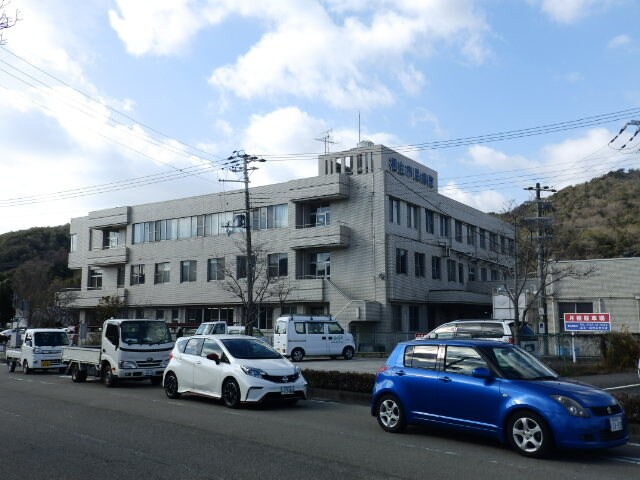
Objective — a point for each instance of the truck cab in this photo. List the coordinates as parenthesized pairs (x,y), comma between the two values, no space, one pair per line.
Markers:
(41,348)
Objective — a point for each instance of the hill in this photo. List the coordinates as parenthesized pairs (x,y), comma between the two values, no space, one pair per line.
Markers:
(598,219)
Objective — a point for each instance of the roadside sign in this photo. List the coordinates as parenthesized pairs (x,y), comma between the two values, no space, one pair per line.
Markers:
(587,322)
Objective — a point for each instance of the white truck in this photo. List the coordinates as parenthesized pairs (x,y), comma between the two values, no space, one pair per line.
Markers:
(39,348)
(129,350)
(221,328)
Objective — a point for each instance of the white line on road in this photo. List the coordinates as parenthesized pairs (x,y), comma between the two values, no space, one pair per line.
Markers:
(634,385)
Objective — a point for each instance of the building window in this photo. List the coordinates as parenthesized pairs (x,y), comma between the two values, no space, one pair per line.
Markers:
(445,226)
(573,307)
(419,260)
(436,272)
(265,318)
(120,274)
(460,273)
(320,266)
(483,238)
(471,235)
(95,278)
(320,216)
(401,260)
(137,275)
(414,318)
(241,266)
(218,314)
(412,216)
(458,230)
(73,247)
(493,242)
(483,274)
(429,221)
(163,272)
(394,210)
(495,276)
(188,271)
(278,264)
(511,246)
(503,244)
(396,318)
(215,269)
(451,270)
(471,273)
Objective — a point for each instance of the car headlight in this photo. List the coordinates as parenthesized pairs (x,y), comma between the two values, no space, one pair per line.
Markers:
(297,370)
(253,372)
(573,407)
(127,364)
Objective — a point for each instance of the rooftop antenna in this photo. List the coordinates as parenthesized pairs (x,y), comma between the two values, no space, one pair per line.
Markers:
(326,139)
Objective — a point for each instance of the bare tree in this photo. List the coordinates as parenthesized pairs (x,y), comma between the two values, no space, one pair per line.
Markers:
(109,307)
(6,21)
(533,268)
(267,286)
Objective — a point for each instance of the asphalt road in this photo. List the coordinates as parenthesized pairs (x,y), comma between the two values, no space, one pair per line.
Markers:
(52,428)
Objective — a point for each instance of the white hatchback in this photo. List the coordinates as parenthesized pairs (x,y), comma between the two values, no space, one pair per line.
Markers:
(235,368)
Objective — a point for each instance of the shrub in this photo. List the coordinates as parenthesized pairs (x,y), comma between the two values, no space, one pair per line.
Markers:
(631,405)
(345,381)
(620,350)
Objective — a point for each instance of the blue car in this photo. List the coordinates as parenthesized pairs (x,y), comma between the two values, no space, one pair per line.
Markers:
(496,389)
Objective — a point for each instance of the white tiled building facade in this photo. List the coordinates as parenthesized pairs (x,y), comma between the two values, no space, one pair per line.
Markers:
(369,240)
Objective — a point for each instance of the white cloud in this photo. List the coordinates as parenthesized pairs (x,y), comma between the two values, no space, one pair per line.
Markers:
(487,157)
(486,201)
(620,41)
(572,11)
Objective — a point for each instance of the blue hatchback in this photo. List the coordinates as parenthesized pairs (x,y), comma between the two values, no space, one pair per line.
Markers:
(496,389)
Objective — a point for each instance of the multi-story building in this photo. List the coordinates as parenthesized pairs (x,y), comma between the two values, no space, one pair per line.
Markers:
(368,240)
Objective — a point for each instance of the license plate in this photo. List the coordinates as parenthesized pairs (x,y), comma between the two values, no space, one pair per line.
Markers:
(46,363)
(149,373)
(287,390)
(615,423)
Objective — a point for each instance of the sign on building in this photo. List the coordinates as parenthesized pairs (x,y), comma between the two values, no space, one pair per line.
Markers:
(587,322)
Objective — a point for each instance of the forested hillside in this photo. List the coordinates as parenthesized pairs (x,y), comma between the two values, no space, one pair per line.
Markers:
(598,219)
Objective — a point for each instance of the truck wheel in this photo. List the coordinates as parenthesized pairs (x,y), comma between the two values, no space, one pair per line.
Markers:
(107,376)
(77,375)
(347,353)
(11,365)
(25,368)
(297,355)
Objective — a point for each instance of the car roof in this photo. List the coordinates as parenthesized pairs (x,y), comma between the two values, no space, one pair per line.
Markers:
(223,337)
(458,342)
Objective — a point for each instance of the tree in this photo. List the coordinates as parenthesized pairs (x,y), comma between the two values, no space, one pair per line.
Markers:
(6,21)
(32,286)
(7,311)
(533,268)
(267,286)
(109,307)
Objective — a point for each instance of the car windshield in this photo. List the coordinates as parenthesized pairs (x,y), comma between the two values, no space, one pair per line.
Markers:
(145,332)
(50,339)
(516,364)
(249,349)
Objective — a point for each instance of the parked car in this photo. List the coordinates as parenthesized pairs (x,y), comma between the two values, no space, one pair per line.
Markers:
(496,389)
(235,368)
(490,329)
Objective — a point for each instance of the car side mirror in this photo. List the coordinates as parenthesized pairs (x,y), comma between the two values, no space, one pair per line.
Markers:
(481,372)
(214,357)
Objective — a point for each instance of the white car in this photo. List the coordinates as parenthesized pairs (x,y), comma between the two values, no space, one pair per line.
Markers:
(235,368)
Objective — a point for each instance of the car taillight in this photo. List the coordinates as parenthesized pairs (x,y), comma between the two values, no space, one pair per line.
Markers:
(510,340)
(383,368)
(170,355)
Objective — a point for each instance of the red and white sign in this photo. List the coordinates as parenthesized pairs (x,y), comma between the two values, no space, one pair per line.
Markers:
(592,322)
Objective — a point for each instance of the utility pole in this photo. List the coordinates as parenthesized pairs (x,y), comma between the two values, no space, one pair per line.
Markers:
(542,224)
(241,161)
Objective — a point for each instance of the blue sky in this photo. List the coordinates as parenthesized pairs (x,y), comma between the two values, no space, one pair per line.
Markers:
(109,103)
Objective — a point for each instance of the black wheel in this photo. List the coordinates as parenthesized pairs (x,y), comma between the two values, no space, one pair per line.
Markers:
(297,355)
(347,353)
(231,393)
(77,375)
(529,434)
(25,368)
(11,365)
(391,414)
(171,385)
(156,380)
(108,378)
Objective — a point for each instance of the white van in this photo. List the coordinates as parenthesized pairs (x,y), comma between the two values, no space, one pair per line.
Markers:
(221,328)
(296,336)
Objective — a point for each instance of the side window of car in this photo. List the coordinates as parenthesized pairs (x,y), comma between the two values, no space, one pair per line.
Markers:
(462,360)
(315,328)
(469,330)
(300,327)
(493,330)
(210,346)
(445,331)
(424,356)
(193,346)
(335,328)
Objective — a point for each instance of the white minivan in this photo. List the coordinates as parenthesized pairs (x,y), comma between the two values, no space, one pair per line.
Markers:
(297,336)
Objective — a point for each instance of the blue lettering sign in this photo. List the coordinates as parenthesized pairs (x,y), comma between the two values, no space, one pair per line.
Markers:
(411,172)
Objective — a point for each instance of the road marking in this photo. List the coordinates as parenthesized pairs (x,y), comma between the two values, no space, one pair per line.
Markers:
(634,385)
(633,460)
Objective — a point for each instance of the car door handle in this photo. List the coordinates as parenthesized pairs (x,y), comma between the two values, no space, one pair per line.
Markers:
(198,363)
(400,373)
(330,338)
(445,379)
(324,338)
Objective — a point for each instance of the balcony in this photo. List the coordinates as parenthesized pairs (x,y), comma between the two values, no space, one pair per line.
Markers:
(91,297)
(108,256)
(327,236)
(324,187)
(110,217)
(308,290)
